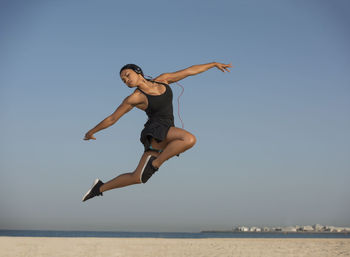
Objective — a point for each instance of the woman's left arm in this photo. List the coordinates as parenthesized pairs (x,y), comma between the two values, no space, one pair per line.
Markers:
(193,70)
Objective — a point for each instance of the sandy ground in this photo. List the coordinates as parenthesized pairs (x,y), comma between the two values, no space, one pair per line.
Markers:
(125,247)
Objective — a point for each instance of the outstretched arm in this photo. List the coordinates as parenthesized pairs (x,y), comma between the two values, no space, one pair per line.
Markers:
(123,108)
(193,70)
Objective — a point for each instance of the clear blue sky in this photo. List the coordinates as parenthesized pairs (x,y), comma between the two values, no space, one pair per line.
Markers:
(273,141)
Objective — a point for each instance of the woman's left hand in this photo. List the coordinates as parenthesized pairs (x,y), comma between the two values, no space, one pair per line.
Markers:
(223,67)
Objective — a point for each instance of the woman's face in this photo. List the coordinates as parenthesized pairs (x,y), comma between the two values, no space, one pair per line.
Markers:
(129,77)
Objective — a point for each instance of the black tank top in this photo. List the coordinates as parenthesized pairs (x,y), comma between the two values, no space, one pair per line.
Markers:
(160,106)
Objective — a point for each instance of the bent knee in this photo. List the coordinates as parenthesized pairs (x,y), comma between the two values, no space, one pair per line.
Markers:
(190,140)
(136,177)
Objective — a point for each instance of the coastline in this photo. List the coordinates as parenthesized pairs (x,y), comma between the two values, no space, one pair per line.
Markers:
(189,235)
(129,247)
(275,232)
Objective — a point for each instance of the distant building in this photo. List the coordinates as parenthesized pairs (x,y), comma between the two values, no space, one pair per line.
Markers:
(289,229)
(328,228)
(318,227)
(338,229)
(243,229)
(296,228)
(266,229)
(307,228)
(277,229)
(254,229)
(335,229)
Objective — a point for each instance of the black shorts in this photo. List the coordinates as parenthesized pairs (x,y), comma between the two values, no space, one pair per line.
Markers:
(154,129)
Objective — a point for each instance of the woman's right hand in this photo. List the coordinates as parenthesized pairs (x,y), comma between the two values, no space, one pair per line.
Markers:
(89,135)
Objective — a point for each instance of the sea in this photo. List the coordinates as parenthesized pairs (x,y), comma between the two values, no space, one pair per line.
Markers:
(110,234)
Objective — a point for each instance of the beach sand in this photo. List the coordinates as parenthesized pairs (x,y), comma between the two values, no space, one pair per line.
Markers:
(135,247)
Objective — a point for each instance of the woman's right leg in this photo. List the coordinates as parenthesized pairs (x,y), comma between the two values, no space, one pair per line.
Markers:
(128,179)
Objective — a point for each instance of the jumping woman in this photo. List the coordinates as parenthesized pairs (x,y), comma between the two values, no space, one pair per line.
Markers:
(161,139)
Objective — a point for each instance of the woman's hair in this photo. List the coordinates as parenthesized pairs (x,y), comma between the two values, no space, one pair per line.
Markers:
(137,69)
(133,67)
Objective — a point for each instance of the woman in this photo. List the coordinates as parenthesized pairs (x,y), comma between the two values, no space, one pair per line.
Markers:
(161,139)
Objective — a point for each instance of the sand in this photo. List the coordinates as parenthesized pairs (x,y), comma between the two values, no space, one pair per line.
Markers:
(125,247)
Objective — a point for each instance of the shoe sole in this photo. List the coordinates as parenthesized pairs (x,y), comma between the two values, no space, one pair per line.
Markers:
(95,182)
(144,166)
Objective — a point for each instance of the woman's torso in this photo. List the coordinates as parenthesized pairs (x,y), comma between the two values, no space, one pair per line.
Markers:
(159,106)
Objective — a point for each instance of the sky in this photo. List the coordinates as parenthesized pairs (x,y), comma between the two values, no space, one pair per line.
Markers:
(273,134)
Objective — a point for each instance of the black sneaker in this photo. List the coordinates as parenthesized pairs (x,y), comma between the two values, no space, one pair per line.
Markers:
(94,191)
(148,169)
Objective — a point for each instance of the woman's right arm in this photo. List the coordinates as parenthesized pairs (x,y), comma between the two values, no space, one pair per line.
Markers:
(128,103)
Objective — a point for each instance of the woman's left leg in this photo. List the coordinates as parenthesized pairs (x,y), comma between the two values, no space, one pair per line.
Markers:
(177,141)
(130,178)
